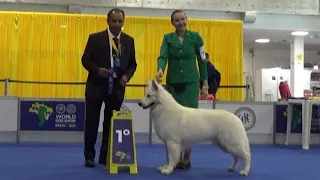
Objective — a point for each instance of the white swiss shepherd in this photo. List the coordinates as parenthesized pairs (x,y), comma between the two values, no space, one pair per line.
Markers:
(181,127)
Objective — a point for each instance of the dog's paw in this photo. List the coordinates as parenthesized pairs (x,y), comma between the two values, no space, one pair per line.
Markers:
(166,171)
(231,169)
(162,167)
(243,173)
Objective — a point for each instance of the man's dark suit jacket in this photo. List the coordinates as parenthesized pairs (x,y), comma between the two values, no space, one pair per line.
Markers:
(97,55)
(213,78)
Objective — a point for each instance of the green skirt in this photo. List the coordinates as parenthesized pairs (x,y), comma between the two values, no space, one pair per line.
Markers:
(186,94)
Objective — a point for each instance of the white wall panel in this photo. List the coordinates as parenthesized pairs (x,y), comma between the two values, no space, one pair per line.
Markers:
(266,6)
(8,0)
(284,6)
(162,4)
(58,2)
(103,3)
(129,3)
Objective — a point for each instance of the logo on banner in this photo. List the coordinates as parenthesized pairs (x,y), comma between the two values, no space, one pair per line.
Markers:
(42,111)
(65,116)
(247,116)
(122,155)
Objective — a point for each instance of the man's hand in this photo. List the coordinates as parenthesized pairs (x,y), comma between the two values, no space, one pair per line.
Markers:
(124,80)
(103,72)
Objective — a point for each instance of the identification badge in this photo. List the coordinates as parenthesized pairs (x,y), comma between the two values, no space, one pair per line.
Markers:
(110,82)
(202,53)
(116,61)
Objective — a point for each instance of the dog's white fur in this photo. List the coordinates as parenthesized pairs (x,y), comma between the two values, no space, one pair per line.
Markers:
(179,127)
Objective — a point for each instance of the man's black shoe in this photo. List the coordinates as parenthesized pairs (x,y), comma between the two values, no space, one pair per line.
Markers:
(89,163)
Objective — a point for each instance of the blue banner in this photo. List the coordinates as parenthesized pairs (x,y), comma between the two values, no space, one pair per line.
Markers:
(52,115)
(296,126)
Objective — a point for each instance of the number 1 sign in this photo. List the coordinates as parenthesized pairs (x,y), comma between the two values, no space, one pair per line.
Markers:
(122,146)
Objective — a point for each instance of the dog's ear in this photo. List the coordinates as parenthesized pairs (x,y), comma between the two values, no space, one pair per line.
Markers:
(155,85)
(148,82)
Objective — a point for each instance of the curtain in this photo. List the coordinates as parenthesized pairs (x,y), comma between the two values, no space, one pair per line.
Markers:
(48,47)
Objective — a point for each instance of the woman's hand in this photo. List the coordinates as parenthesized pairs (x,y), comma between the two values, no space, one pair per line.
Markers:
(204,92)
(159,76)
(204,89)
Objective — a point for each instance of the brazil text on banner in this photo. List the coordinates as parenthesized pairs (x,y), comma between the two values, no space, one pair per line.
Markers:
(52,115)
(123,142)
(296,127)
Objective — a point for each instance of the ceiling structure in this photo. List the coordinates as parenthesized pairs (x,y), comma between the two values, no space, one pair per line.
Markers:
(262,6)
(279,39)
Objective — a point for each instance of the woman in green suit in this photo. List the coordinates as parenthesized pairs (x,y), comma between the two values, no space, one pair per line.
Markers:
(181,50)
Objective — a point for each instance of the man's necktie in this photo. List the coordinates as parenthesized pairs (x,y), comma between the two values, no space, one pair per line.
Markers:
(116,41)
(116,63)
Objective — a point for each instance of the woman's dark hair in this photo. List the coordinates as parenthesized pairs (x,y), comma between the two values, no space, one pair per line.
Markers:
(175,12)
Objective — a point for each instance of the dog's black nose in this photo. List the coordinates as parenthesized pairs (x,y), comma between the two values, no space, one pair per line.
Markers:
(139,103)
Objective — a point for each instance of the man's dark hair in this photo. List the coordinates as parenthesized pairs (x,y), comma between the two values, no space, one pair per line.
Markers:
(116,10)
(207,56)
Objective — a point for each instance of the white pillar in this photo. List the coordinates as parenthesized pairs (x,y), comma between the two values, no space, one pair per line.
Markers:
(297,66)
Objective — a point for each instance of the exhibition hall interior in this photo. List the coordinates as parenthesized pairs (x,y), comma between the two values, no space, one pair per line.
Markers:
(266,58)
(267,54)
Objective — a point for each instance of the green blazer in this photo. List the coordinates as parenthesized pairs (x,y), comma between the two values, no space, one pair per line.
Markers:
(181,58)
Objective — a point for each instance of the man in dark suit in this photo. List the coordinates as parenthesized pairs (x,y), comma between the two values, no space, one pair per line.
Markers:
(109,57)
(214,77)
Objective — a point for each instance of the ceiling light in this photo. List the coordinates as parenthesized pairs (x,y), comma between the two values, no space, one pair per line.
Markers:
(262,40)
(315,67)
(299,33)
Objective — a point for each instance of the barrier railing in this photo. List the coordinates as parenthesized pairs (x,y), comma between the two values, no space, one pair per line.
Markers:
(62,120)
(7,82)
(25,122)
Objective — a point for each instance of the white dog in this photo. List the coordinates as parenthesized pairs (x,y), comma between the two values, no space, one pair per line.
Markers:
(179,127)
